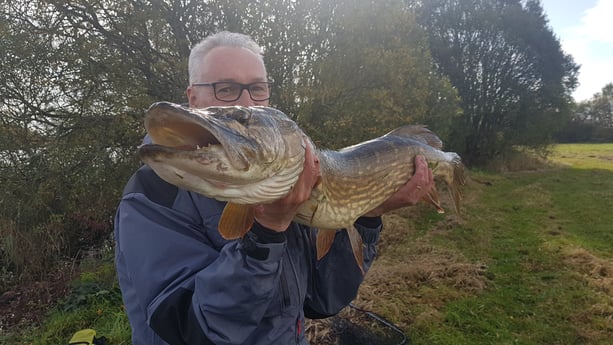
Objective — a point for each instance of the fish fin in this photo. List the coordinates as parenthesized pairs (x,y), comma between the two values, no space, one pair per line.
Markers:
(236,220)
(433,198)
(357,246)
(419,133)
(314,209)
(325,237)
(459,179)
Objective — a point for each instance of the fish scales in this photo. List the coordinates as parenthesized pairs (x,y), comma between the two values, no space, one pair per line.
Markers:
(255,155)
(356,181)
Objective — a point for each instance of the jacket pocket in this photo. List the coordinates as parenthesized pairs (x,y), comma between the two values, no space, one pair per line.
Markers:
(281,299)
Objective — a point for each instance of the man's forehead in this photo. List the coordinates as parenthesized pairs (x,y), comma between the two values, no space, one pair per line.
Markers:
(233,64)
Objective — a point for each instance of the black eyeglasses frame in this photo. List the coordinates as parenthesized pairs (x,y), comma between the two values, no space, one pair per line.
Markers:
(247,87)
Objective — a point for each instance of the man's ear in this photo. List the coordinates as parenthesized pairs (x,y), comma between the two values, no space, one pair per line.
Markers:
(191,96)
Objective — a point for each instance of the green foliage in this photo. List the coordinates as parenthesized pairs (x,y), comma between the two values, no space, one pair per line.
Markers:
(69,126)
(110,321)
(96,285)
(94,302)
(509,69)
(289,32)
(90,293)
(373,75)
(592,120)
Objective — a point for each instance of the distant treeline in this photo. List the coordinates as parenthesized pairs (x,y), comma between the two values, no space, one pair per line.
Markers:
(592,120)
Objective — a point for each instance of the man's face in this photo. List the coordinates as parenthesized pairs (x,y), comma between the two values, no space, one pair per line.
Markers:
(227,64)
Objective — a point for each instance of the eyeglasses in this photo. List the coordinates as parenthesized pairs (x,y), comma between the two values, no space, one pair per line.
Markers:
(226,91)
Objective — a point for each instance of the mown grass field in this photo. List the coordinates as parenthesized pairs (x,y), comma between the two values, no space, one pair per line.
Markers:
(530,261)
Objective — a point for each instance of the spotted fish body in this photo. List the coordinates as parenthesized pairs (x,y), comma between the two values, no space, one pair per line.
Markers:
(248,156)
(359,178)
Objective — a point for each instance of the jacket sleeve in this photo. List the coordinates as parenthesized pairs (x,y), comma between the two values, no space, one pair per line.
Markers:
(189,291)
(336,278)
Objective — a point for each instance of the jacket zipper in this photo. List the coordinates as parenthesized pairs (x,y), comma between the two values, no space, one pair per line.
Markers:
(285,291)
(298,327)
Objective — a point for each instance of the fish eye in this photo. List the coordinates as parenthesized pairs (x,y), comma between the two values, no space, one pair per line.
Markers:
(237,113)
(241,114)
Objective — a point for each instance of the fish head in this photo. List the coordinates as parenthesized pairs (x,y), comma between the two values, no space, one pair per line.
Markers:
(245,155)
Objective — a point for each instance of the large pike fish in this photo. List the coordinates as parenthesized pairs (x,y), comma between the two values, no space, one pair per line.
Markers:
(249,156)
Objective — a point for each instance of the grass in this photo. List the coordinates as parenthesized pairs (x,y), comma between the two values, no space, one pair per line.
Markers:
(530,261)
(95,302)
(584,156)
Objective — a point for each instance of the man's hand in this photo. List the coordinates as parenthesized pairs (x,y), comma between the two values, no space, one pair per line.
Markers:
(414,190)
(279,214)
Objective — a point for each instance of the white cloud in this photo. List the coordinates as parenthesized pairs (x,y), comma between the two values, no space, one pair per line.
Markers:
(596,24)
(591,45)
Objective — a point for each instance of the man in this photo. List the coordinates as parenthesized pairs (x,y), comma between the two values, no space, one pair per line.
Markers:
(182,283)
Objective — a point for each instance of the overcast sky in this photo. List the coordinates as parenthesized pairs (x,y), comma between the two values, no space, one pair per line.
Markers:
(585,29)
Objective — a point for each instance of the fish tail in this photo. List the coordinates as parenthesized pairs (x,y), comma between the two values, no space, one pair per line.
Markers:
(459,179)
(357,247)
(432,198)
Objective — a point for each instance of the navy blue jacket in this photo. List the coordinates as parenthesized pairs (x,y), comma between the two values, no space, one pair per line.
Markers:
(182,283)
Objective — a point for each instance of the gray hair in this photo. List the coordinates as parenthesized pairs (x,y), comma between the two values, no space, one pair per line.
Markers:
(220,39)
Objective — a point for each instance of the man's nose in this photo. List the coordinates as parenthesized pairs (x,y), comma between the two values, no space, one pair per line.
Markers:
(245,99)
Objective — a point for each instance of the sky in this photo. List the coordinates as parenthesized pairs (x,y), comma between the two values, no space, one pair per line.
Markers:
(585,30)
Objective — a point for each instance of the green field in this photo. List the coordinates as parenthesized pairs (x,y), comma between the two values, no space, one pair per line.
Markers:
(584,156)
(530,261)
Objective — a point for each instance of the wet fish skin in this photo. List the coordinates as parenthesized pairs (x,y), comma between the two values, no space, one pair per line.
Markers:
(254,155)
(226,153)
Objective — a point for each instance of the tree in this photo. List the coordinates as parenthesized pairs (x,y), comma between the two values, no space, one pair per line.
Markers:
(372,74)
(601,106)
(287,31)
(592,120)
(67,136)
(510,72)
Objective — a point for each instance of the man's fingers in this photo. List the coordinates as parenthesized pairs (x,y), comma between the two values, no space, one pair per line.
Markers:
(422,179)
(311,167)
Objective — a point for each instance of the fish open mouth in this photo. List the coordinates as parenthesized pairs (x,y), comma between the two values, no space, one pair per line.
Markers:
(238,135)
(184,133)
(176,129)
(197,138)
